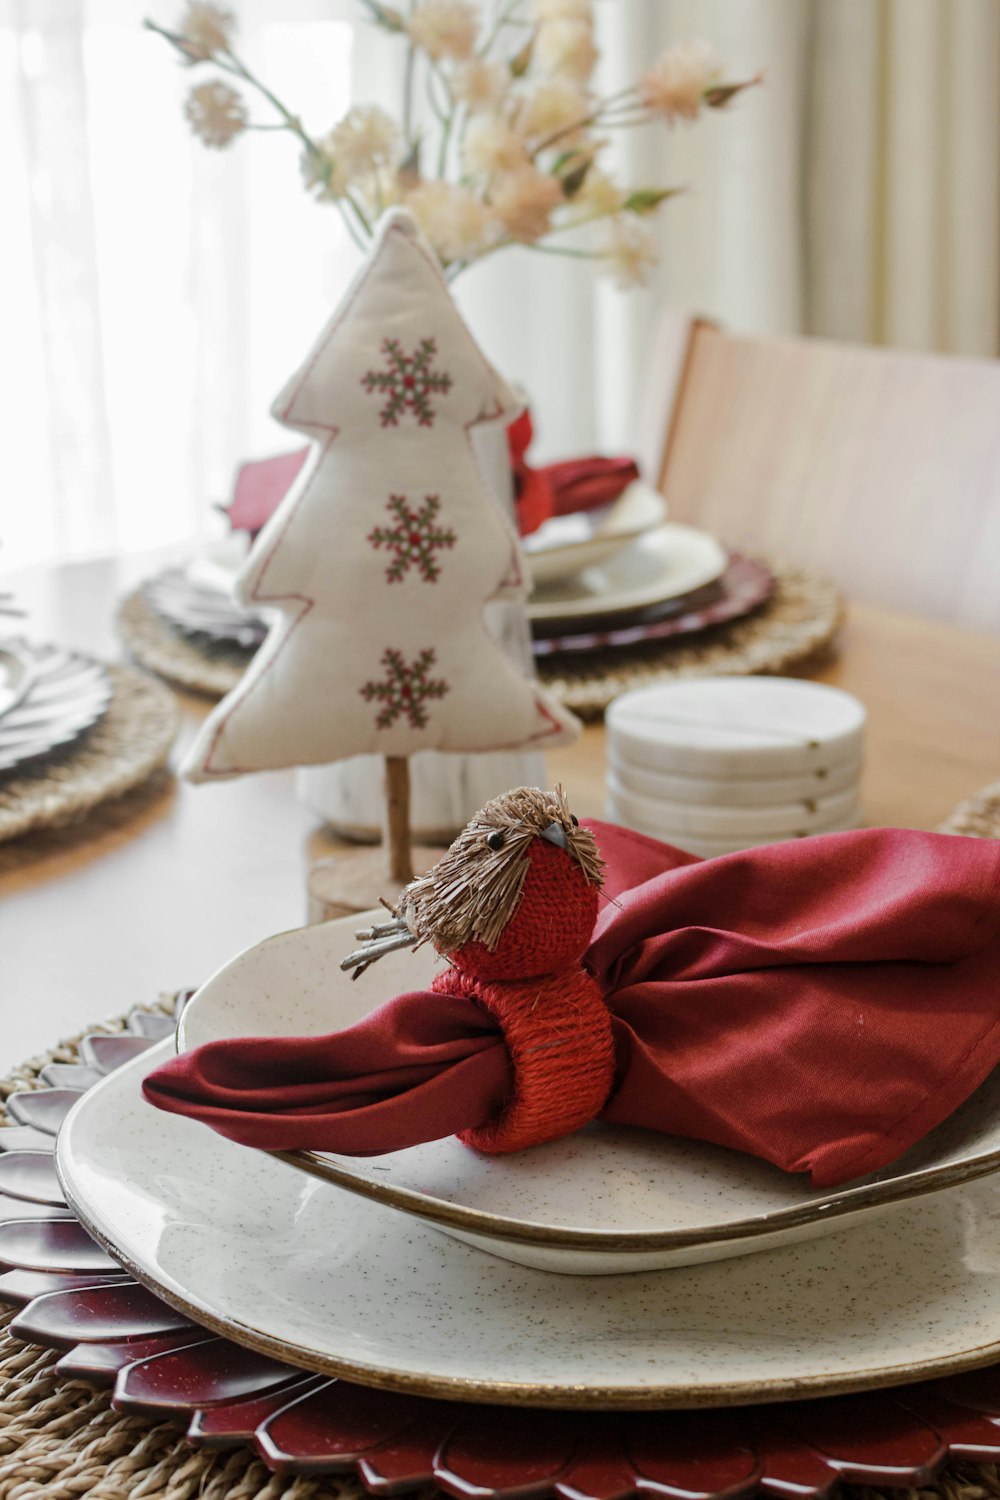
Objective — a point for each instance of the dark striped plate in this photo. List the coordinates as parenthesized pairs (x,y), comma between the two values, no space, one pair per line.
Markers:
(60,694)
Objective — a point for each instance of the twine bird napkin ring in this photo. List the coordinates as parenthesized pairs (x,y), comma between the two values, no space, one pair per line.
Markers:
(511,906)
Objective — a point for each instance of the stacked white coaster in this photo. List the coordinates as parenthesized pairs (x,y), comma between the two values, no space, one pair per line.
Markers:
(721,763)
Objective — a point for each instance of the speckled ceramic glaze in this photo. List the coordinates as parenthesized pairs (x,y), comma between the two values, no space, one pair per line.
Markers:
(336,1283)
(733,727)
(664,563)
(602,1201)
(565,545)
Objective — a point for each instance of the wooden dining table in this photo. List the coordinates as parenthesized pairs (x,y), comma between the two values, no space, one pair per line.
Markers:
(159,892)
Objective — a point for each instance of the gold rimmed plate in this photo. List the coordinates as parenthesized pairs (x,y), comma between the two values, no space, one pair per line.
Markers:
(333,1282)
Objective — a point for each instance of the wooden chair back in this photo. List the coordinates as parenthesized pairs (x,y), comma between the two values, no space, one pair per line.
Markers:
(881,467)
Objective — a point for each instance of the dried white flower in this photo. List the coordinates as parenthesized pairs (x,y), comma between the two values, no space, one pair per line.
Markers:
(480,85)
(630,251)
(215,112)
(206,29)
(599,196)
(523,201)
(566,49)
(364,140)
(675,85)
(380,190)
(491,145)
(563,10)
(457,223)
(553,107)
(445,28)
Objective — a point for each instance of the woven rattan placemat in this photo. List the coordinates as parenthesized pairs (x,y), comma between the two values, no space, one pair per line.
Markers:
(121,751)
(799,619)
(979,818)
(199,666)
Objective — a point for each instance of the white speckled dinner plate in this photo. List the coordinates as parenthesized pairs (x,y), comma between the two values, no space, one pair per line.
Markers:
(663,563)
(605,1200)
(336,1283)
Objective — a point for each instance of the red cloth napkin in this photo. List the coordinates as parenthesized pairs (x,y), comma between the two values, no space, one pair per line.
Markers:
(820,1003)
(261,483)
(561,489)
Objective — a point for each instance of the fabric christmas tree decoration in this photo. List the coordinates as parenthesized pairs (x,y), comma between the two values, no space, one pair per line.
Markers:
(380,558)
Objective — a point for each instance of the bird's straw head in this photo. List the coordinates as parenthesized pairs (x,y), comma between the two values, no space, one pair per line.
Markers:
(517,891)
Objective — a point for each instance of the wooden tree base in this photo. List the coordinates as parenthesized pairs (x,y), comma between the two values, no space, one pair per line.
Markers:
(354,880)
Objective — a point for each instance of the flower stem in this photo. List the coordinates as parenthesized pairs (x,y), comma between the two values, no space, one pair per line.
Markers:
(433,78)
(596,116)
(230,63)
(565,250)
(362,216)
(507,17)
(447,121)
(411,57)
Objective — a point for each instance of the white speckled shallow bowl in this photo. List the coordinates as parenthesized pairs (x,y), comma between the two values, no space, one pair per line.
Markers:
(663,563)
(564,545)
(603,1201)
(332,1282)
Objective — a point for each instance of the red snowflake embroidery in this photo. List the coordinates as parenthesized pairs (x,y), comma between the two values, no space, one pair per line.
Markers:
(413,539)
(409,382)
(405,689)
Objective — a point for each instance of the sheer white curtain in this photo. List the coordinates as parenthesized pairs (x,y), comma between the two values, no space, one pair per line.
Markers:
(154,295)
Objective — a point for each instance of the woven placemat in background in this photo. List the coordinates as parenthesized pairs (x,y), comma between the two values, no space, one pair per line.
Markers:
(801,616)
(199,666)
(61,1440)
(979,818)
(120,752)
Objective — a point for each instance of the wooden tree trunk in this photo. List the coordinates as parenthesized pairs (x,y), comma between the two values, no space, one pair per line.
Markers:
(397,827)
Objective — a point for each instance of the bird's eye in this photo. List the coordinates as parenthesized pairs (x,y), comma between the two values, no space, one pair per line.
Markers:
(495,839)
(574,820)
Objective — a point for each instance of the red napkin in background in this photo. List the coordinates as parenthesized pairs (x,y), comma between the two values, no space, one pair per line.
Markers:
(821,1003)
(261,483)
(562,488)
(553,490)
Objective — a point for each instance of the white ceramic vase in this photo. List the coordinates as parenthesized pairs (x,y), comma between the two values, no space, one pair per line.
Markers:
(445,789)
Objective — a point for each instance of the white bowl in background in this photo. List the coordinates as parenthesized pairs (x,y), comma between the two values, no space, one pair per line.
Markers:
(564,545)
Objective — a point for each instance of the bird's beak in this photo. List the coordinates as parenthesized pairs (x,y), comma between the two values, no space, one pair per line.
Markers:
(556,834)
